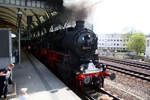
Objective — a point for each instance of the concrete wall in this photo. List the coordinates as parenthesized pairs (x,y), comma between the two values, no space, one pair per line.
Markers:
(4,62)
(5,47)
(4,43)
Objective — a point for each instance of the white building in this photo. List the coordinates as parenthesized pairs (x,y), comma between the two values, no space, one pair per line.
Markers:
(147,53)
(112,41)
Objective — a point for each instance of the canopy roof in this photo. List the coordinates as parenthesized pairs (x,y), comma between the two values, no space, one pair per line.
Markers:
(35,8)
(8,16)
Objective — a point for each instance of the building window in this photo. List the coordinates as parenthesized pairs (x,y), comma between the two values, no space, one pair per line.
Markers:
(148,43)
(117,44)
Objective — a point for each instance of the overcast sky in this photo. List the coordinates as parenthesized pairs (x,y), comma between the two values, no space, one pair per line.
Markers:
(120,16)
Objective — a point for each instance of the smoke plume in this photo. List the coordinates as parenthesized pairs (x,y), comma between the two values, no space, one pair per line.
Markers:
(77,10)
(70,10)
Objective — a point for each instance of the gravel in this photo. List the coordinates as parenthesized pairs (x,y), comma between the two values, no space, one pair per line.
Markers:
(128,88)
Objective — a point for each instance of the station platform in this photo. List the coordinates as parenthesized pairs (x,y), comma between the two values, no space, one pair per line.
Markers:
(41,83)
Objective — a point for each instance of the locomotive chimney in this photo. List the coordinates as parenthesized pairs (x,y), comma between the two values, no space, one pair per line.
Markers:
(79,24)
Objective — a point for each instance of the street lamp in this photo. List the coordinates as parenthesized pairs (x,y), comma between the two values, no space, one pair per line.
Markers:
(19,14)
(19,31)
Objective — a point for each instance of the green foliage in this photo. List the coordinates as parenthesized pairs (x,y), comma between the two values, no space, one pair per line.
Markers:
(137,43)
(104,49)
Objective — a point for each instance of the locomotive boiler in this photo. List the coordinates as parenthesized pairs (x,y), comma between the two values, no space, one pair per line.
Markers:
(70,53)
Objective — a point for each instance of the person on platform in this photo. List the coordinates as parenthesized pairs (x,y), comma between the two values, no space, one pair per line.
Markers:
(17,55)
(5,79)
(24,95)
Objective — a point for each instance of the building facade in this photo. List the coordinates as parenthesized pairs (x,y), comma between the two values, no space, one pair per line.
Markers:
(112,41)
(147,53)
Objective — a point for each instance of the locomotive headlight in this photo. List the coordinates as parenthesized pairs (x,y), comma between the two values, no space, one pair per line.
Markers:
(89,35)
(81,68)
(87,80)
(83,38)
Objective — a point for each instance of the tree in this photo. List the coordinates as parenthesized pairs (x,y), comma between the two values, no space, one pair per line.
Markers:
(137,43)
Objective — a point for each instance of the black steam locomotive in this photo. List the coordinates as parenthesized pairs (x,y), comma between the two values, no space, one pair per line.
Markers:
(71,54)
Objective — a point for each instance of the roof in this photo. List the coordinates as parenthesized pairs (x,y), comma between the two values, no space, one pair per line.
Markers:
(35,8)
(8,16)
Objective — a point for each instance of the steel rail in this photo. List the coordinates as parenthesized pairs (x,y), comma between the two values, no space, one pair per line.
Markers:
(99,91)
(127,62)
(105,92)
(118,67)
(128,72)
(137,76)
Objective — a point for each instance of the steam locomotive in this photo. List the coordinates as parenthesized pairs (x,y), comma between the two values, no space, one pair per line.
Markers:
(70,53)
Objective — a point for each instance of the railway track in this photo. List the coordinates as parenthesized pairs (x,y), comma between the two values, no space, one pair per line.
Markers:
(127,69)
(94,94)
(133,63)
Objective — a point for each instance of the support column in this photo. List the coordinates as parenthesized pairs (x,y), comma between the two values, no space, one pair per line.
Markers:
(19,33)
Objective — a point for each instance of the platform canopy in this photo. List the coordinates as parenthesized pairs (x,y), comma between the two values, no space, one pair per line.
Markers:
(8,16)
(35,8)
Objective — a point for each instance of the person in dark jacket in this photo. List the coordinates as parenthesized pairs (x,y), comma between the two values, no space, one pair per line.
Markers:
(4,80)
(16,54)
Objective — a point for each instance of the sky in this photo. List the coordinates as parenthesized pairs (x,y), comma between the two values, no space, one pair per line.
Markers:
(121,16)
